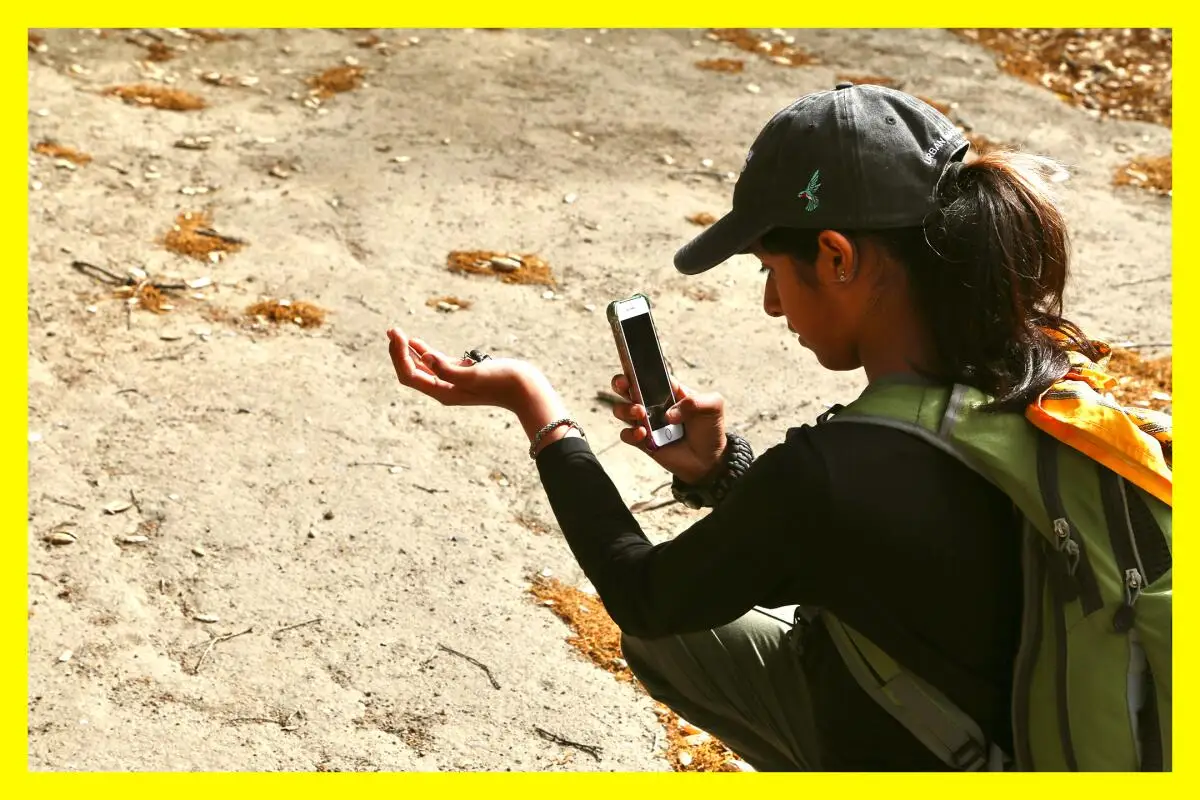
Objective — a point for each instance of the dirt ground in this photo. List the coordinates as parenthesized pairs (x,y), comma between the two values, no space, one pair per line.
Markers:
(202,466)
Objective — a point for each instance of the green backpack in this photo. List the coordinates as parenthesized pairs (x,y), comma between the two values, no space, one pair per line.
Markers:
(1092,682)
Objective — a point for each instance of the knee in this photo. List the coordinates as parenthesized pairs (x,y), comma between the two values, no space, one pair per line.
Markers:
(639,654)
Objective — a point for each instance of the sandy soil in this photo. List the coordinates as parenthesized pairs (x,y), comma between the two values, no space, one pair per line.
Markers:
(248,448)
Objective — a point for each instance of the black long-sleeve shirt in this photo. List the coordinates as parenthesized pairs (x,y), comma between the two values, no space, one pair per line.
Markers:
(893,536)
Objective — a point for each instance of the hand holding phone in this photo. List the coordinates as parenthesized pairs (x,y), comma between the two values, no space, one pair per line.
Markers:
(702,413)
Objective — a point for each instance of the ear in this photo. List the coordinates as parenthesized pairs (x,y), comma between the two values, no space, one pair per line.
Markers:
(837,258)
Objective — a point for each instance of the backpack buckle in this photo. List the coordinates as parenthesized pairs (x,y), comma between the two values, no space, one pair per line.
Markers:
(828,413)
(971,757)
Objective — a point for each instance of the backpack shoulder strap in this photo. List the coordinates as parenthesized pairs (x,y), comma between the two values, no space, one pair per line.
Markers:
(928,714)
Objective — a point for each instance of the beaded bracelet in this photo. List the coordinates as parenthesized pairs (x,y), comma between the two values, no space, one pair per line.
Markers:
(551,426)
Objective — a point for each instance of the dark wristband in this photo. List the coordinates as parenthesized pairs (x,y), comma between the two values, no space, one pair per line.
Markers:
(735,461)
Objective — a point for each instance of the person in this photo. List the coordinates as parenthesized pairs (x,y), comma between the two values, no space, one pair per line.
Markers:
(889,246)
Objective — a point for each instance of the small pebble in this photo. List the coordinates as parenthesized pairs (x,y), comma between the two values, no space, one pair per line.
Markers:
(752,88)
(199,551)
(65,657)
(206,618)
(706,163)
(328,514)
(570,198)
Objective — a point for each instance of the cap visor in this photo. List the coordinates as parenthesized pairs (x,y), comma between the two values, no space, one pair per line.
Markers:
(732,234)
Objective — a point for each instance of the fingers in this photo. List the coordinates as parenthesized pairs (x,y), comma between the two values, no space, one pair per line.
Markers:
(415,373)
(634,436)
(629,412)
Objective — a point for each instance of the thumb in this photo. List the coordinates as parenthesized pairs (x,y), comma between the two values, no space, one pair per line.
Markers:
(693,406)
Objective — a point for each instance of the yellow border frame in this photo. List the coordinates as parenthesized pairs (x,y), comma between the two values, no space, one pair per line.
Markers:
(218,13)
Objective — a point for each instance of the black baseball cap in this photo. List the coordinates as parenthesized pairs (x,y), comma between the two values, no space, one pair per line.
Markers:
(859,157)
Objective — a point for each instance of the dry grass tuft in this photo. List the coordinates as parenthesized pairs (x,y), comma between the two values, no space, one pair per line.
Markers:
(722,64)
(1144,382)
(776,52)
(297,312)
(528,268)
(1116,72)
(597,637)
(336,80)
(162,97)
(53,149)
(1152,173)
(192,235)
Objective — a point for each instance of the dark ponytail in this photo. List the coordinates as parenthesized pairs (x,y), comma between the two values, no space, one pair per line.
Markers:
(986,273)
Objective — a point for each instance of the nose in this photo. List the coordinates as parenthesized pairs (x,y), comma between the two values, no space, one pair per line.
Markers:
(771,304)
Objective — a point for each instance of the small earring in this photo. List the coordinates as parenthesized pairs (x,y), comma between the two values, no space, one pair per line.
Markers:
(841,275)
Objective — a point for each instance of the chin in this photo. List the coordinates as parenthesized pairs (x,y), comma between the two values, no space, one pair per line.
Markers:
(836,362)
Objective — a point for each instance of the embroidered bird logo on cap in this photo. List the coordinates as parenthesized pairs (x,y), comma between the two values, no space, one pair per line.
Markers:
(810,194)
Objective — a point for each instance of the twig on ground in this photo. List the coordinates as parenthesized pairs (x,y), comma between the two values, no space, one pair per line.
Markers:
(375,464)
(67,503)
(213,643)
(591,749)
(136,503)
(486,669)
(1166,276)
(285,724)
(362,301)
(209,232)
(650,505)
(427,489)
(175,356)
(286,628)
(114,279)
(608,447)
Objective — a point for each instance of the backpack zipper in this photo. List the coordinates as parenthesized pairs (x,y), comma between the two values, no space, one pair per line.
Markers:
(1074,552)
(1124,545)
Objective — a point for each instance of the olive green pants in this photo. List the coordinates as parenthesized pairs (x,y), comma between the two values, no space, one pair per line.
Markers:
(742,682)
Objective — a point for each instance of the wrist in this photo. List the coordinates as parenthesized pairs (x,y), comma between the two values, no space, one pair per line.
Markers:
(718,466)
(537,404)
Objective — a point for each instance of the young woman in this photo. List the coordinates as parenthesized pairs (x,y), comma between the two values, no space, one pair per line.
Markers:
(887,246)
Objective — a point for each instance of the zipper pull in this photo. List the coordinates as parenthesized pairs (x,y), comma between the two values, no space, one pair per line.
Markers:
(1066,545)
(1123,619)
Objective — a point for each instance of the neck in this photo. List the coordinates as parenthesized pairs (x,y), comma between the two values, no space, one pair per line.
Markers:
(897,346)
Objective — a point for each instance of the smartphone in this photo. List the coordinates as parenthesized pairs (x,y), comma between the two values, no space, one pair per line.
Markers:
(644,366)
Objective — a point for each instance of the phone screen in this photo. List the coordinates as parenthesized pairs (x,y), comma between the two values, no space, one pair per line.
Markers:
(648,365)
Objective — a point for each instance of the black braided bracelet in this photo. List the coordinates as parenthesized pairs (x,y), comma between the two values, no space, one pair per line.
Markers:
(735,461)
